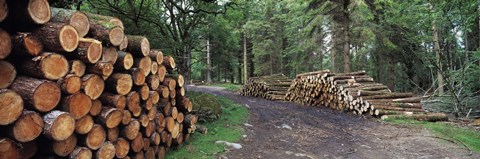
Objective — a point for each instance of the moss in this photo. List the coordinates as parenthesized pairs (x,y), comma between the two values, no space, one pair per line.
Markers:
(206,106)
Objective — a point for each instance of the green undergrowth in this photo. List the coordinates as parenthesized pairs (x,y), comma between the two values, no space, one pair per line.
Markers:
(466,137)
(227,128)
(229,86)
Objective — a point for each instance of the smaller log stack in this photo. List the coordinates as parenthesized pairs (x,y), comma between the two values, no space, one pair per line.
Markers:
(72,85)
(273,87)
(358,93)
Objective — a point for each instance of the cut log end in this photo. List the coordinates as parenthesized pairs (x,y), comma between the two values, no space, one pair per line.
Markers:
(58,125)
(9,148)
(65,147)
(39,11)
(3,10)
(127,61)
(69,38)
(8,73)
(54,66)
(27,44)
(96,137)
(70,84)
(80,22)
(28,127)
(106,151)
(5,44)
(11,106)
(46,96)
(78,68)
(84,125)
(78,105)
(93,85)
(112,117)
(110,54)
(116,36)
(124,44)
(81,153)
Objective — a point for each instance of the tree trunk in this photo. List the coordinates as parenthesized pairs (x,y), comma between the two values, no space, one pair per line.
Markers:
(88,50)
(106,32)
(58,37)
(58,125)
(114,100)
(24,44)
(245,62)
(78,105)
(8,72)
(438,63)
(346,37)
(75,18)
(138,46)
(50,66)
(40,95)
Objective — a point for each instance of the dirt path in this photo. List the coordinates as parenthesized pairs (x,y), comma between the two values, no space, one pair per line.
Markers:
(287,130)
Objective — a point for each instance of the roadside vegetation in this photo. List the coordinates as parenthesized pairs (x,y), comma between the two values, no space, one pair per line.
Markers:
(463,136)
(227,128)
(229,86)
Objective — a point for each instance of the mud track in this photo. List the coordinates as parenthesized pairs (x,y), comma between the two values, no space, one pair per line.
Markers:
(287,130)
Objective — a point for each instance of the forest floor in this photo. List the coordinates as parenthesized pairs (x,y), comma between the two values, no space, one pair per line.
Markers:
(285,130)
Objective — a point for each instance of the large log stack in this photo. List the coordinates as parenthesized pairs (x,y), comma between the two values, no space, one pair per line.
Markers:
(358,93)
(72,85)
(273,87)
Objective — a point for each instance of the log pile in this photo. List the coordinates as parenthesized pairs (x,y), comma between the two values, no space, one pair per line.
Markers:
(358,93)
(273,87)
(72,85)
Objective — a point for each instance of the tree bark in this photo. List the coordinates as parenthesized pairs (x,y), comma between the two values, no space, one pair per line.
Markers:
(110,117)
(50,66)
(58,37)
(75,18)
(138,46)
(114,100)
(124,61)
(30,12)
(24,44)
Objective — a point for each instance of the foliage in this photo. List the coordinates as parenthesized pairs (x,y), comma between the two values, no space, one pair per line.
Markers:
(227,128)
(230,86)
(467,137)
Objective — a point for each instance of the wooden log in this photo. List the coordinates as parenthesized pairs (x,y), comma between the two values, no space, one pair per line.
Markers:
(138,45)
(169,62)
(77,68)
(163,91)
(106,32)
(155,138)
(101,68)
(179,79)
(5,44)
(30,12)
(124,61)
(122,147)
(389,96)
(148,104)
(161,152)
(58,125)
(154,68)
(136,145)
(73,17)
(23,44)
(110,54)
(131,130)
(119,83)
(3,10)
(106,151)
(107,20)
(110,117)
(146,144)
(65,147)
(170,124)
(48,65)
(78,105)
(160,122)
(152,113)
(144,120)
(127,116)
(380,112)
(11,106)
(40,95)
(95,138)
(88,50)
(113,134)
(155,97)
(397,108)
(81,153)
(156,55)
(96,107)
(27,127)
(138,155)
(123,46)
(58,37)
(184,104)
(144,91)
(162,71)
(138,76)
(84,125)
(180,117)
(399,100)
(93,85)
(8,73)
(114,100)
(9,149)
(170,83)
(425,117)
(144,63)
(150,153)
(133,103)
(153,82)
(70,84)
(29,149)
(393,104)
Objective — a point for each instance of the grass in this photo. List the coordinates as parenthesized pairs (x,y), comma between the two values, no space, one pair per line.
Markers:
(229,86)
(463,136)
(227,128)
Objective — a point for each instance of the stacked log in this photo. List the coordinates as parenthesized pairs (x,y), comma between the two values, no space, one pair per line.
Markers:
(74,86)
(273,87)
(358,93)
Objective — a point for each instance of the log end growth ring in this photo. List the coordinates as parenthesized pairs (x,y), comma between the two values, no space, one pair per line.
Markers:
(3,10)
(33,45)
(11,107)
(55,66)
(63,127)
(116,36)
(145,46)
(80,22)
(5,44)
(47,96)
(95,51)
(8,73)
